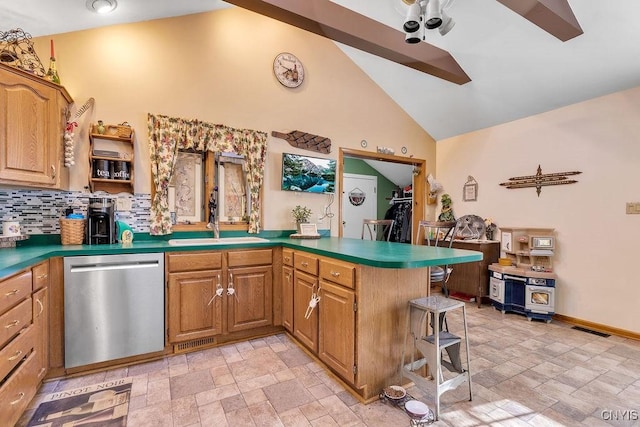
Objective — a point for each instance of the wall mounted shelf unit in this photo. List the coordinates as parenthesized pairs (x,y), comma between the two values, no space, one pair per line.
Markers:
(111,159)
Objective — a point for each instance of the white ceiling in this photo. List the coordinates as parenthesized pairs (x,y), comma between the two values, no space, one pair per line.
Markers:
(400,174)
(517,69)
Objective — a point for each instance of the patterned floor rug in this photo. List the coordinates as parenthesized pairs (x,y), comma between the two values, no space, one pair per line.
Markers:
(104,404)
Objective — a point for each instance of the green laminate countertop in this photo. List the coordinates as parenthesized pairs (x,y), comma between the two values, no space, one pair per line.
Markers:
(370,253)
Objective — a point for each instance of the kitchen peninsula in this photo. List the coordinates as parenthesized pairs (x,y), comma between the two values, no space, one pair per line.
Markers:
(356,329)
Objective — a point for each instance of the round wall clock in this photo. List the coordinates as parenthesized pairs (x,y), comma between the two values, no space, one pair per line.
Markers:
(288,70)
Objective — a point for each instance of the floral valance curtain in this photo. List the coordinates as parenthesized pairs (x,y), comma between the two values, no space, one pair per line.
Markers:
(167,135)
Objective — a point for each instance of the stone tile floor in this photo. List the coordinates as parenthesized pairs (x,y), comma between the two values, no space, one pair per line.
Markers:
(524,373)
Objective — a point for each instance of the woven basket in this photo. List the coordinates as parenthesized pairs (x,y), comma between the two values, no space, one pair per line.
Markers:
(72,231)
(123,130)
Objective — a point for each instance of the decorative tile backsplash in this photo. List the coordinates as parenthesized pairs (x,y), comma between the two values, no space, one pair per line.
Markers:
(38,211)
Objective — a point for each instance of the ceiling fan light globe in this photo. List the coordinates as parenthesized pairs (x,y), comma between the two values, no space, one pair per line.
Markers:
(412,38)
(413,20)
(433,18)
(447,24)
(433,23)
(411,26)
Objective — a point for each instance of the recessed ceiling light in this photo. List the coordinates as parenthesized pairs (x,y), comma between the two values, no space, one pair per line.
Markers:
(102,6)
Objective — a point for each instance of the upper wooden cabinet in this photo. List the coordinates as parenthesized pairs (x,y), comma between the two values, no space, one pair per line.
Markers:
(32,121)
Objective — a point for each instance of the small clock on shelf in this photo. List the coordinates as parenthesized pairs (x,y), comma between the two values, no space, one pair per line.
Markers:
(288,70)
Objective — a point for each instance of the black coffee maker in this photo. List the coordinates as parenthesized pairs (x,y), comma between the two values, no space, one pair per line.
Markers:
(101,226)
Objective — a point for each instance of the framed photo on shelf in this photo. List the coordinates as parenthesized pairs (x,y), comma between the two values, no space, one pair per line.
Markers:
(308,229)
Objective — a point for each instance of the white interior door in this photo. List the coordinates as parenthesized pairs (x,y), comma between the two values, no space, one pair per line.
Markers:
(359,201)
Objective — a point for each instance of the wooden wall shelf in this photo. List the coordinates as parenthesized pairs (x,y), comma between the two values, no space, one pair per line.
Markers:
(121,166)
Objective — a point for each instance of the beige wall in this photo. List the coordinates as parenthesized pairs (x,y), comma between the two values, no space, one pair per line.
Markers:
(597,241)
(217,67)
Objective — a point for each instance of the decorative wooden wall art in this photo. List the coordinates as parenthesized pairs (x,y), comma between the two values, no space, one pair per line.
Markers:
(540,180)
(305,141)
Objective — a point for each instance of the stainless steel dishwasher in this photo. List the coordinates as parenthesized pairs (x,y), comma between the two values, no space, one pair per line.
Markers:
(113,307)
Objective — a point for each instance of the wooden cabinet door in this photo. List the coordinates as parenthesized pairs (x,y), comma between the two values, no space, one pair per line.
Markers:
(250,304)
(195,311)
(41,323)
(305,329)
(287,298)
(336,346)
(31,129)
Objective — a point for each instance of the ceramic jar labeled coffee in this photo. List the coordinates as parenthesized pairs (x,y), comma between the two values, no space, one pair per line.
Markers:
(121,170)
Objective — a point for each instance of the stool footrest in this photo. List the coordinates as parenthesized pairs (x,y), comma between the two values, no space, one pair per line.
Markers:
(453,382)
(417,364)
(446,339)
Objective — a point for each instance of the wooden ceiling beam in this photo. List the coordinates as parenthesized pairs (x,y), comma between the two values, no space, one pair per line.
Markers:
(553,16)
(343,25)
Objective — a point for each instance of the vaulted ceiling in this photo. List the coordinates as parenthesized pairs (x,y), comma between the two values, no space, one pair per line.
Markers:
(516,68)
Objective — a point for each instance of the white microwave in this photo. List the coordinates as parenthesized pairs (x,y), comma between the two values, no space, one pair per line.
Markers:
(542,242)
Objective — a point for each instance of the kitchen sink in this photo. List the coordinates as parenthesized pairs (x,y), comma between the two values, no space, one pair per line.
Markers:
(213,241)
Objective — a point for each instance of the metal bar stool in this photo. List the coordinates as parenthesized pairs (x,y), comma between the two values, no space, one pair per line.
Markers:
(440,234)
(377,229)
(428,341)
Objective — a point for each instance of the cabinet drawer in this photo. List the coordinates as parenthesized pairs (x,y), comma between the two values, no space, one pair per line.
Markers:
(16,350)
(307,263)
(193,261)
(250,257)
(338,272)
(14,320)
(14,289)
(287,257)
(40,276)
(18,391)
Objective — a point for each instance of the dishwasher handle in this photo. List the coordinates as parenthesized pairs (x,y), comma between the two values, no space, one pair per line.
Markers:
(114,266)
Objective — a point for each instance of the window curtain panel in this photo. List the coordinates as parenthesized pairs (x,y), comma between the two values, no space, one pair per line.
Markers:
(167,135)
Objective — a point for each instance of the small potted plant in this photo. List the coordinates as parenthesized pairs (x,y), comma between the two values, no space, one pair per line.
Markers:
(301,214)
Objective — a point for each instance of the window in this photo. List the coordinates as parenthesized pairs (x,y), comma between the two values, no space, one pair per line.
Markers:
(200,178)
(186,189)
(234,200)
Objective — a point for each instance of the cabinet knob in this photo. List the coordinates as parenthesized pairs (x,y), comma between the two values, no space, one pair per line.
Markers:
(43,276)
(53,171)
(13,292)
(335,274)
(304,264)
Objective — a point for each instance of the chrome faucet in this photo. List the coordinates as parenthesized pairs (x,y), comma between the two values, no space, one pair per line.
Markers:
(213,217)
(216,229)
